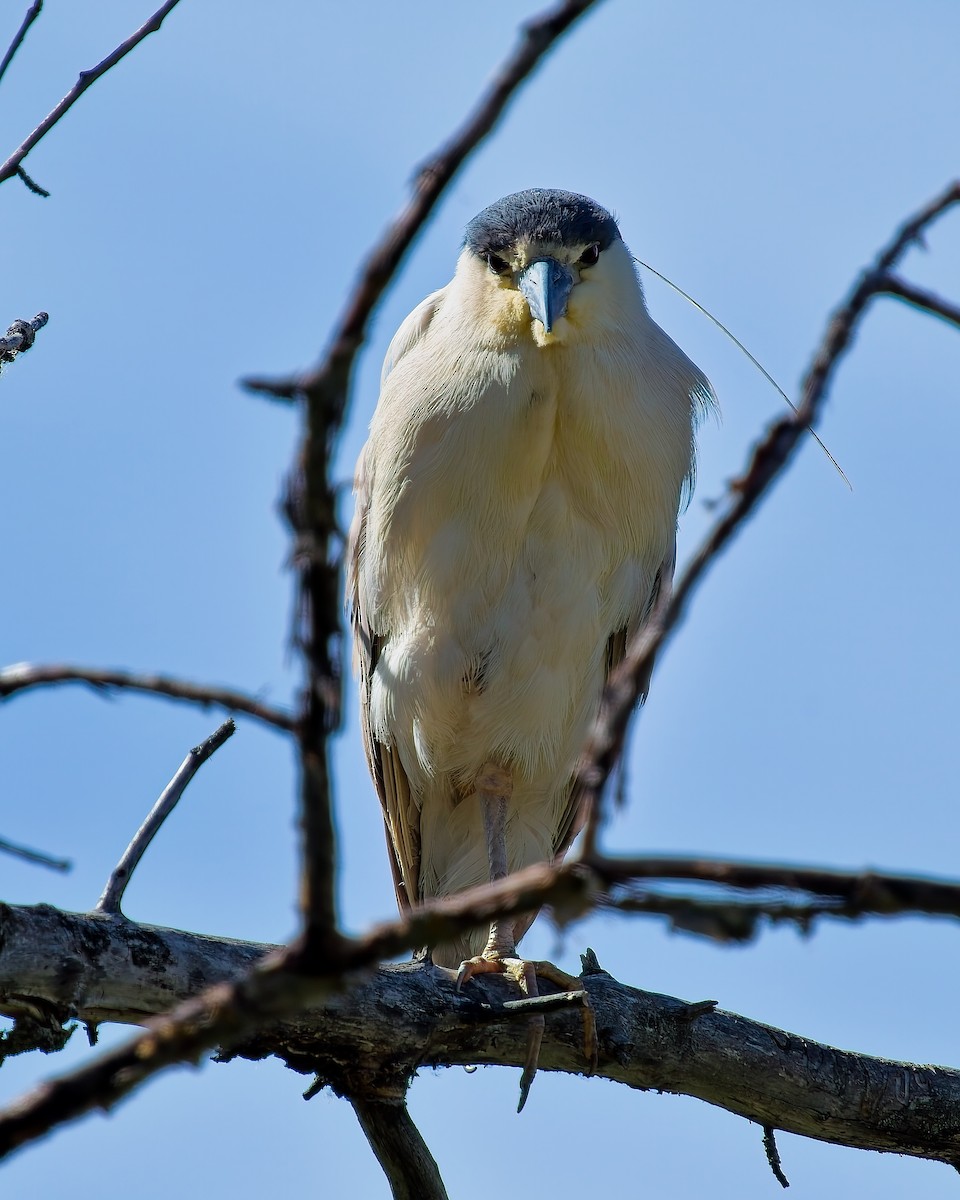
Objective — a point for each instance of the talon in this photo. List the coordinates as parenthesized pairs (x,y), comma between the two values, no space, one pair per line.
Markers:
(591,1043)
(532,1061)
(524,974)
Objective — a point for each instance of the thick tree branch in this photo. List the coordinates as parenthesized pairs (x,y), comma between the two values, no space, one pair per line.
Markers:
(768,458)
(21,677)
(86,78)
(369,1040)
(284,985)
(278,988)
(410,1168)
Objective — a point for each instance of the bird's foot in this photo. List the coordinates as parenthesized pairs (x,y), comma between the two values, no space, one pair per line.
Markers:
(524,973)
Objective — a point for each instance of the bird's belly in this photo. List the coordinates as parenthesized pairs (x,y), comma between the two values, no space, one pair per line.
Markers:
(502,655)
(541,659)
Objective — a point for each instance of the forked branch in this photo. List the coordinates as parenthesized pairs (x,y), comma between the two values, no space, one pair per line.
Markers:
(85,80)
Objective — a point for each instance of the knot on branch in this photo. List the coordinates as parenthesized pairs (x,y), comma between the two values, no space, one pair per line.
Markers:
(20,337)
(25,331)
(40,1026)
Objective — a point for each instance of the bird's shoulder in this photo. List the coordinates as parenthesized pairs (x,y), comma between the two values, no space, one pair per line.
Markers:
(412,330)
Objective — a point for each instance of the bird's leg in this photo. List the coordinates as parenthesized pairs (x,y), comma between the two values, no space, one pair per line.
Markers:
(499,955)
(494,788)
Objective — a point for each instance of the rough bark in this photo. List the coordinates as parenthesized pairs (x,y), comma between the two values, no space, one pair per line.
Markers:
(369,1039)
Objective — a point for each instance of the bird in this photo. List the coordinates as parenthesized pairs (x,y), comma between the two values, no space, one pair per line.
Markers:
(516,509)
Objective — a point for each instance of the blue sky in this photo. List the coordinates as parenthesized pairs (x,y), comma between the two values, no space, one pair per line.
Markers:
(211,199)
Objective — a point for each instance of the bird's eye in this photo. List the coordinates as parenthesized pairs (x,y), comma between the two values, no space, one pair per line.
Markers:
(589,257)
(498,265)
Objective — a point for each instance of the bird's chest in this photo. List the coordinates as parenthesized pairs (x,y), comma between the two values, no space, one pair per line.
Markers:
(529,496)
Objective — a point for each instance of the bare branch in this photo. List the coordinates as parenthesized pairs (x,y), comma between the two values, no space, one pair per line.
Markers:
(310,501)
(861,893)
(222,1015)
(32,184)
(20,337)
(294,978)
(20,677)
(32,13)
(926,301)
(410,1168)
(109,902)
(768,458)
(281,987)
(731,920)
(369,1041)
(277,988)
(773,1155)
(35,856)
(85,80)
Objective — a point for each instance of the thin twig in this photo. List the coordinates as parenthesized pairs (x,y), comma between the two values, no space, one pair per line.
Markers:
(20,677)
(32,13)
(920,298)
(122,873)
(768,458)
(773,1156)
(860,893)
(35,856)
(85,80)
(310,501)
(724,921)
(31,184)
(555,1002)
(20,337)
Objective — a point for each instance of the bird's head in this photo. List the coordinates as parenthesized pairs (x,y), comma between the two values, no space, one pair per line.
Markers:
(550,265)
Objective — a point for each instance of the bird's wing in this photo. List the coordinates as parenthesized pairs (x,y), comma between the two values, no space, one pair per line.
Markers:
(414,326)
(400,815)
(571,821)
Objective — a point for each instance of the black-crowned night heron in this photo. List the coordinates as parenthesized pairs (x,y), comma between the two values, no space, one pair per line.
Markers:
(516,519)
